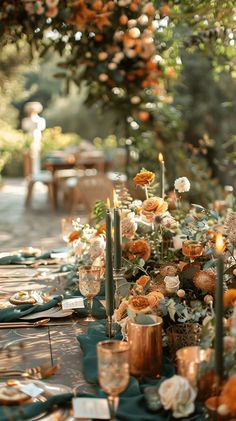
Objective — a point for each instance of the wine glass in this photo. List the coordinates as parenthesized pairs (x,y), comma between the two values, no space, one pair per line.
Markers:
(192,249)
(66,228)
(113,370)
(89,285)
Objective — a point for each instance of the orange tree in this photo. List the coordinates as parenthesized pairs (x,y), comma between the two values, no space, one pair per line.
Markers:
(129,52)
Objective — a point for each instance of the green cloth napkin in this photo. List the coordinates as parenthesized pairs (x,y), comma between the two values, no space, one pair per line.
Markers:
(31,410)
(21,257)
(132,406)
(13,314)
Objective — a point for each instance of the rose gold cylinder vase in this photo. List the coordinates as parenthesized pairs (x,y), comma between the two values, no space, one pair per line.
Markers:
(145,341)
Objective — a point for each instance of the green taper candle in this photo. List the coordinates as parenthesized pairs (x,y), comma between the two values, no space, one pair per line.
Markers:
(219,309)
(162,175)
(109,283)
(117,240)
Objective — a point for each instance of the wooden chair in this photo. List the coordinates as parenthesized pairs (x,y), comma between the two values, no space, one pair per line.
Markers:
(90,189)
(45,177)
(91,160)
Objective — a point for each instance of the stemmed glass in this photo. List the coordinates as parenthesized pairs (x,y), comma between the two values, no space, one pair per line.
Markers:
(192,249)
(113,370)
(66,228)
(89,285)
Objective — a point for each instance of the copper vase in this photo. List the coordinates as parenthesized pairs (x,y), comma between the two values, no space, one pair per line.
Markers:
(145,341)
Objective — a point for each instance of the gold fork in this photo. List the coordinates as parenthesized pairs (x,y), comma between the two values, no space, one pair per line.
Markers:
(36,373)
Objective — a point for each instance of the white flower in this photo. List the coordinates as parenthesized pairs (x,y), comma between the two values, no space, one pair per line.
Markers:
(123,3)
(172,283)
(168,221)
(88,233)
(230,227)
(177,395)
(128,226)
(178,241)
(80,247)
(182,184)
(97,247)
(136,204)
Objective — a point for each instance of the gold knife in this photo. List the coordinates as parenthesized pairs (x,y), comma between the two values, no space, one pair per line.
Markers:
(9,325)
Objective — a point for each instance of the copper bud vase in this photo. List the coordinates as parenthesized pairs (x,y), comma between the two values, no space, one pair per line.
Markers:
(145,341)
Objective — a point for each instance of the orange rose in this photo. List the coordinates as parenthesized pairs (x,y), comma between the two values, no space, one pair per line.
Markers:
(144,178)
(101,230)
(228,394)
(155,205)
(74,235)
(139,304)
(138,248)
(119,313)
(154,298)
(143,280)
(230,297)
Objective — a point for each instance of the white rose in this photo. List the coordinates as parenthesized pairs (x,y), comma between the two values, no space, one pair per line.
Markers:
(97,247)
(177,395)
(182,184)
(172,283)
(128,226)
(80,247)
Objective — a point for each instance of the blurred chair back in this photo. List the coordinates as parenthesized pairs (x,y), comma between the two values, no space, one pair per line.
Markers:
(91,159)
(90,189)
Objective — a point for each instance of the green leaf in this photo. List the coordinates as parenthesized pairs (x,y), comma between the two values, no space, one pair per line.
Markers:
(210,264)
(144,319)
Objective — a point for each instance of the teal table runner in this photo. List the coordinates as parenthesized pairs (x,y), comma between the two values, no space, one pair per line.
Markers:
(132,406)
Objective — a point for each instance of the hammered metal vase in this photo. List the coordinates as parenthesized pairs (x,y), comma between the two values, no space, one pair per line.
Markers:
(145,343)
(182,335)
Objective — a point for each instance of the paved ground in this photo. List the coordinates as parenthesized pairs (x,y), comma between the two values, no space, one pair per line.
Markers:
(38,227)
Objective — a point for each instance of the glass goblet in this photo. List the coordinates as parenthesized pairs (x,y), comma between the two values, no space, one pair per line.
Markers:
(66,228)
(89,285)
(192,249)
(113,370)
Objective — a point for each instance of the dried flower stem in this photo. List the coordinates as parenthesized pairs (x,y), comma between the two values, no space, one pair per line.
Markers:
(146,191)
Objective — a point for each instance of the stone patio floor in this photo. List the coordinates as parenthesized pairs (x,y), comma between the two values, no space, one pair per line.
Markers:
(36,227)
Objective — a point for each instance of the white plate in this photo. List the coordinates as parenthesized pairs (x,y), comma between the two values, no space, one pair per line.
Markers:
(48,391)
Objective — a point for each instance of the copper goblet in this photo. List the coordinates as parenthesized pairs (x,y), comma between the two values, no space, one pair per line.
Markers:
(188,360)
(192,249)
(113,370)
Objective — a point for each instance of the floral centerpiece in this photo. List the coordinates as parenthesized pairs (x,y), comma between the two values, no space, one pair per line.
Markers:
(169,258)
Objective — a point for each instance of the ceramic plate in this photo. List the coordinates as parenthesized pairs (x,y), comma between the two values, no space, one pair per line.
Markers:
(48,391)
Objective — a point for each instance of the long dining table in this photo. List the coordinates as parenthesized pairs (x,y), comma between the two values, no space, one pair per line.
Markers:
(69,343)
(51,344)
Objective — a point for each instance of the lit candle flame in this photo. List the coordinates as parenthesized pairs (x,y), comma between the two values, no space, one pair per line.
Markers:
(108,203)
(160,157)
(220,244)
(115,199)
